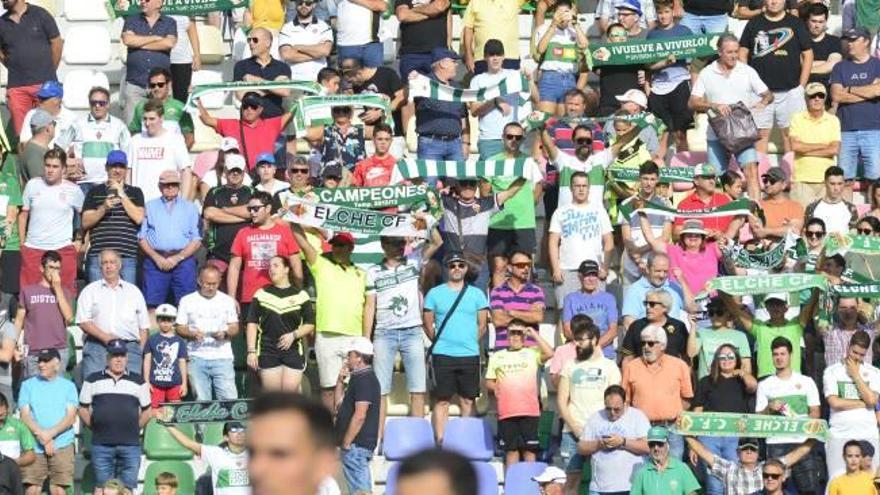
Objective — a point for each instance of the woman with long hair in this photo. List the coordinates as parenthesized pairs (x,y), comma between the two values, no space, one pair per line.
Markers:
(279,319)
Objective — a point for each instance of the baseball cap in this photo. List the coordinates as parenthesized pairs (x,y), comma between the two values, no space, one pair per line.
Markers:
(48,355)
(493,47)
(116,347)
(551,474)
(229,144)
(850,34)
(705,170)
(693,226)
(50,89)
(332,170)
(342,238)
(166,310)
(658,434)
(748,442)
(117,157)
(776,173)
(169,177)
(588,267)
(636,96)
(453,256)
(252,98)
(633,5)
(233,161)
(439,53)
(41,118)
(266,157)
(361,345)
(815,88)
(780,296)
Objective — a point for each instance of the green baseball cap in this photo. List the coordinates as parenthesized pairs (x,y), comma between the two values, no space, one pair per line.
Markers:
(658,434)
(705,170)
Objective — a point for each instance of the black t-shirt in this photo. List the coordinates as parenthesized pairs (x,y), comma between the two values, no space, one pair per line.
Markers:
(115,230)
(821,51)
(676,338)
(725,395)
(27,46)
(384,82)
(221,235)
(277,311)
(274,69)
(775,49)
(708,7)
(615,80)
(422,36)
(363,386)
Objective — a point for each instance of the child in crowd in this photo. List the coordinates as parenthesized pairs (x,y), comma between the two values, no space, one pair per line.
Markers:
(165,360)
(166,483)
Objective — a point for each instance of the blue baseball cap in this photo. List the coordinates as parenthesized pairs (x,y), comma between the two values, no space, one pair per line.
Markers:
(117,157)
(116,347)
(439,53)
(633,5)
(266,157)
(50,89)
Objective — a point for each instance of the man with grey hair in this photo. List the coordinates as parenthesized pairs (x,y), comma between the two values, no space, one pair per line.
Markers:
(42,125)
(656,276)
(654,381)
(680,339)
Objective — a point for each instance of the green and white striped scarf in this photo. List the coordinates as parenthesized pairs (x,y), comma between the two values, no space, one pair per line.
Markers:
(124,8)
(305,87)
(668,175)
(467,169)
(738,207)
(307,109)
(425,87)
(846,243)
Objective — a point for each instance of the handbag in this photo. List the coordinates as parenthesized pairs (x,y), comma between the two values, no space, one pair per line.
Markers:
(736,131)
(429,362)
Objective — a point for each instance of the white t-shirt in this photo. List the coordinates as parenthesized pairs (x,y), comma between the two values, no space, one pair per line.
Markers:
(63,122)
(565,39)
(208,316)
(854,423)
(835,215)
(613,469)
(182,52)
(354,24)
(150,156)
(229,472)
(580,229)
(277,187)
(741,84)
(587,381)
(293,33)
(798,392)
(594,167)
(51,209)
(492,123)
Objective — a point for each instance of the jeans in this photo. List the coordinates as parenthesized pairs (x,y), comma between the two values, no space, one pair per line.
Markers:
(720,157)
(705,24)
(676,446)
(439,149)
(419,62)
(860,148)
(94,357)
(212,379)
(116,461)
(489,147)
(356,469)
(370,55)
(554,84)
(409,342)
(128,273)
(572,462)
(725,447)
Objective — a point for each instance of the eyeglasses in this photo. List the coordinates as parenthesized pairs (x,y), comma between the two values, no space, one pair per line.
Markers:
(298,170)
(158,85)
(253,39)
(305,2)
(583,141)
(865,231)
(728,356)
(254,208)
(649,343)
(513,137)
(818,95)
(815,234)
(771,476)
(457,265)
(653,304)
(98,103)
(769,180)
(524,264)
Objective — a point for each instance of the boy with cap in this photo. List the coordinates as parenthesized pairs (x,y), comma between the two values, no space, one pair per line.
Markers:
(266,171)
(168,374)
(663,474)
(551,481)
(227,462)
(512,376)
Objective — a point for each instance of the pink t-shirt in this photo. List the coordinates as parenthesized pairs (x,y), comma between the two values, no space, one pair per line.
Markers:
(697,268)
(561,356)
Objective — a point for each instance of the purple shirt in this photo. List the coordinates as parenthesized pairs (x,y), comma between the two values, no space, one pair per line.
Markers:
(504,297)
(44,326)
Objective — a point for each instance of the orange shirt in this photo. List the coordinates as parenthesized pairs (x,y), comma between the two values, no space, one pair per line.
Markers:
(776,212)
(657,389)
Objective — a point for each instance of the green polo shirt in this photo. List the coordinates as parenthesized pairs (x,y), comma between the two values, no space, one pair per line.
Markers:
(519,211)
(10,195)
(676,479)
(764,336)
(15,438)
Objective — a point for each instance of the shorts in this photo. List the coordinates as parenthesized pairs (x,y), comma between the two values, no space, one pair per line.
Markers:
(10,270)
(857,148)
(672,108)
(720,157)
(571,460)
(58,468)
(292,358)
(331,350)
(159,395)
(456,375)
(779,112)
(518,433)
(500,242)
(554,84)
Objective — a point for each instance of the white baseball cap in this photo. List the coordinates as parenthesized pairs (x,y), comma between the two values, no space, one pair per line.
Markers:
(229,143)
(550,475)
(232,161)
(166,310)
(361,345)
(636,96)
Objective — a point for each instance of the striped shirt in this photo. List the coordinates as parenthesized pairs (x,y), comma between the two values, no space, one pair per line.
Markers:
(92,141)
(115,230)
(505,298)
(116,406)
(465,226)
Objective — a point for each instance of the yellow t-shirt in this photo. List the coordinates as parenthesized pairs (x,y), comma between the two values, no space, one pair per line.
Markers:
(852,484)
(339,307)
(268,14)
(498,19)
(807,130)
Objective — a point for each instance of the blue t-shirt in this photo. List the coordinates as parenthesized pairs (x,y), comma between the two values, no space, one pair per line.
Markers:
(48,402)
(166,353)
(670,77)
(863,115)
(600,307)
(634,298)
(459,337)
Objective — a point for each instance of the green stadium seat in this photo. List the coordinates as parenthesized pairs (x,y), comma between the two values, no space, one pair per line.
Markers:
(186,479)
(212,433)
(159,445)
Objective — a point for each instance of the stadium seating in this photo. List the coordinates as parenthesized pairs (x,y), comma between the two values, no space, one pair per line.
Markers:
(487,478)
(77,84)
(518,478)
(470,437)
(404,436)
(211,44)
(186,478)
(212,433)
(159,445)
(87,45)
(391,479)
(86,10)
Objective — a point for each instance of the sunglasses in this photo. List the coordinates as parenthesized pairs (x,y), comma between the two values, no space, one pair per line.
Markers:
(583,141)
(457,265)
(158,85)
(653,304)
(236,430)
(771,476)
(748,448)
(769,180)
(306,3)
(649,343)
(815,234)
(164,318)
(656,445)
(249,106)
(253,39)
(514,137)
(253,209)
(728,356)
(235,171)
(818,95)
(525,264)
(333,177)
(98,103)
(865,231)
(298,170)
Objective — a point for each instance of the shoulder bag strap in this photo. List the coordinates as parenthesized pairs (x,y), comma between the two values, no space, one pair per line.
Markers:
(244,152)
(446,318)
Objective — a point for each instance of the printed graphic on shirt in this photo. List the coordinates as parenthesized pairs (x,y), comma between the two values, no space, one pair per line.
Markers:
(772,41)
(229,478)
(164,362)
(151,153)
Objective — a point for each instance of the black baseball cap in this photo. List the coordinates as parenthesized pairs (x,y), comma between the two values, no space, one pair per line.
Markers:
(493,47)
(588,267)
(48,355)
(233,425)
(453,256)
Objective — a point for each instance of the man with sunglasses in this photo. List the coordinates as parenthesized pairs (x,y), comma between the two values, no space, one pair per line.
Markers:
(781,214)
(262,67)
(774,475)
(517,298)
(681,342)
(839,214)
(149,38)
(227,462)
(175,119)
(226,210)
(663,473)
(815,140)
(305,42)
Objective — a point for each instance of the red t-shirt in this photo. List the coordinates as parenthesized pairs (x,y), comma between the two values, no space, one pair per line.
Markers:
(693,202)
(259,137)
(255,247)
(373,172)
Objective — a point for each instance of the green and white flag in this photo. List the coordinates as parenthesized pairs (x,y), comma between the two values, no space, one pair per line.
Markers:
(125,8)
(846,243)
(867,290)
(309,109)
(409,168)
(668,175)
(369,198)
(762,259)
(216,411)
(640,52)
(738,207)
(305,87)
(752,285)
(354,220)
(715,424)
(425,87)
